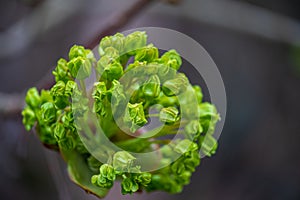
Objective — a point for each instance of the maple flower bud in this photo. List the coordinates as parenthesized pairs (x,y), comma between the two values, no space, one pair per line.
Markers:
(172,59)
(209,145)
(48,112)
(80,51)
(169,115)
(175,86)
(122,160)
(32,98)
(28,118)
(61,71)
(71,88)
(193,129)
(58,93)
(184,146)
(129,186)
(148,53)
(116,41)
(144,178)
(134,115)
(134,42)
(80,67)
(59,131)
(151,87)
(108,172)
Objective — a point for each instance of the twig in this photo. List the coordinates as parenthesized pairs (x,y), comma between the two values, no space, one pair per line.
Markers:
(174,2)
(12,104)
(17,37)
(119,20)
(241,17)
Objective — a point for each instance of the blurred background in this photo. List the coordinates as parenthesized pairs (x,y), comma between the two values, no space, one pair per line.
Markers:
(254,44)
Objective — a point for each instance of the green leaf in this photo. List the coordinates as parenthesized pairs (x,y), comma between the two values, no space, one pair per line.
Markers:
(80,173)
(93,164)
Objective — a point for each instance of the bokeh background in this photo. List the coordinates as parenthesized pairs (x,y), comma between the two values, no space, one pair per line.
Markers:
(255,46)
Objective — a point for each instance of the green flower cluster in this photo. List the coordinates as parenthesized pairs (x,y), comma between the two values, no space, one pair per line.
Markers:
(173,177)
(132,80)
(131,182)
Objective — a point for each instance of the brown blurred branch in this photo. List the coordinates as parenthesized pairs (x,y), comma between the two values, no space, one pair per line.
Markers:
(118,21)
(11,105)
(174,2)
(241,17)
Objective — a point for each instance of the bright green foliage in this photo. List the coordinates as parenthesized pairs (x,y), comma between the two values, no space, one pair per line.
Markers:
(155,89)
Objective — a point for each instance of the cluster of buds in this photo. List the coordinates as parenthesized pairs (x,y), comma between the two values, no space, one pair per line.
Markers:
(134,84)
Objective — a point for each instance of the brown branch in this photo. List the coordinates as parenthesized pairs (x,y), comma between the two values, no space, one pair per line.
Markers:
(118,21)
(174,2)
(11,105)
